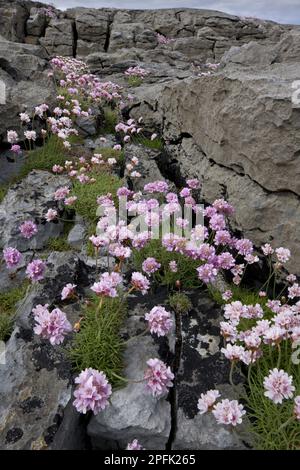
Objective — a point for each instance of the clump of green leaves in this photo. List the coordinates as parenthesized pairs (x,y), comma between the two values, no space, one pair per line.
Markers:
(155,144)
(134,81)
(180,303)
(110,120)
(86,203)
(43,158)
(8,302)
(98,343)
(186,274)
(58,244)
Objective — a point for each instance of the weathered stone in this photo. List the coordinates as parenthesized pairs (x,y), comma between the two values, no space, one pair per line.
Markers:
(29,200)
(36,380)
(147,165)
(36,23)
(77,233)
(133,412)
(202,367)
(59,37)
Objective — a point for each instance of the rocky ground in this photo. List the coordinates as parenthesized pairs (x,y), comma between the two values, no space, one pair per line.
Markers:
(235,129)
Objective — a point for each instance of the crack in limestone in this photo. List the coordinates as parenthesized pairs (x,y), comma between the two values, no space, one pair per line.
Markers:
(75,38)
(173,391)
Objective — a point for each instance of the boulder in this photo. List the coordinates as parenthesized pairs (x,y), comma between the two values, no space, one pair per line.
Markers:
(29,200)
(36,379)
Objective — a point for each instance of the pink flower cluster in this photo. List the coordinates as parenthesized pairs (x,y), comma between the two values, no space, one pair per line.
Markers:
(134,445)
(28,229)
(228,412)
(158,377)
(107,286)
(159,320)
(51,325)
(92,392)
(12,257)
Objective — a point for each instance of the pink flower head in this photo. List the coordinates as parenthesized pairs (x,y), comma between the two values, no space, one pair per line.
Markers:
(12,137)
(278,386)
(92,392)
(35,270)
(140,282)
(227,295)
(207,401)
(267,249)
(185,192)
(150,265)
(159,377)
(207,273)
(28,229)
(283,254)
(107,286)
(233,353)
(69,201)
(51,325)
(16,149)
(173,266)
(134,445)
(193,183)
(244,246)
(294,291)
(297,407)
(228,412)
(156,187)
(61,193)
(12,257)
(159,320)
(51,214)
(68,291)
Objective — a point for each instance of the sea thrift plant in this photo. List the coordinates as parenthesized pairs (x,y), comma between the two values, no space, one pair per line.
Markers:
(12,257)
(28,229)
(158,377)
(159,320)
(35,270)
(92,392)
(52,326)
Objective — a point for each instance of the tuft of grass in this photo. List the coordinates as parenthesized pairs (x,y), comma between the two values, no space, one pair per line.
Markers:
(108,152)
(8,301)
(266,418)
(86,204)
(180,302)
(156,144)
(134,81)
(186,275)
(3,191)
(43,158)
(110,120)
(58,244)
(98,343)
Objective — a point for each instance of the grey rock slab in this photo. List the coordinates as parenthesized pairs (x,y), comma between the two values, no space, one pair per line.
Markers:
(36,379)
(29,200)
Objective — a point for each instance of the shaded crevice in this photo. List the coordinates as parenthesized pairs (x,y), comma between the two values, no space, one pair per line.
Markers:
(75,38)
(107,38)
(173,393)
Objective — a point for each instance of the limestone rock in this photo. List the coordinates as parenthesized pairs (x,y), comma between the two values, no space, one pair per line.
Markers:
(29,200)
(36,380)
(59,37)
(202,367)
(133,412)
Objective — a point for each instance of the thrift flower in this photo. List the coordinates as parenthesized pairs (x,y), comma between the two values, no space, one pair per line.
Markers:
(12,257)
(68,291)
(51,325)
(228,412)
(159,377)
(278,386)
(140,282)
(207,400)
(92,392)
(35,270)
(134,445)
(28,229)
(160,322)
